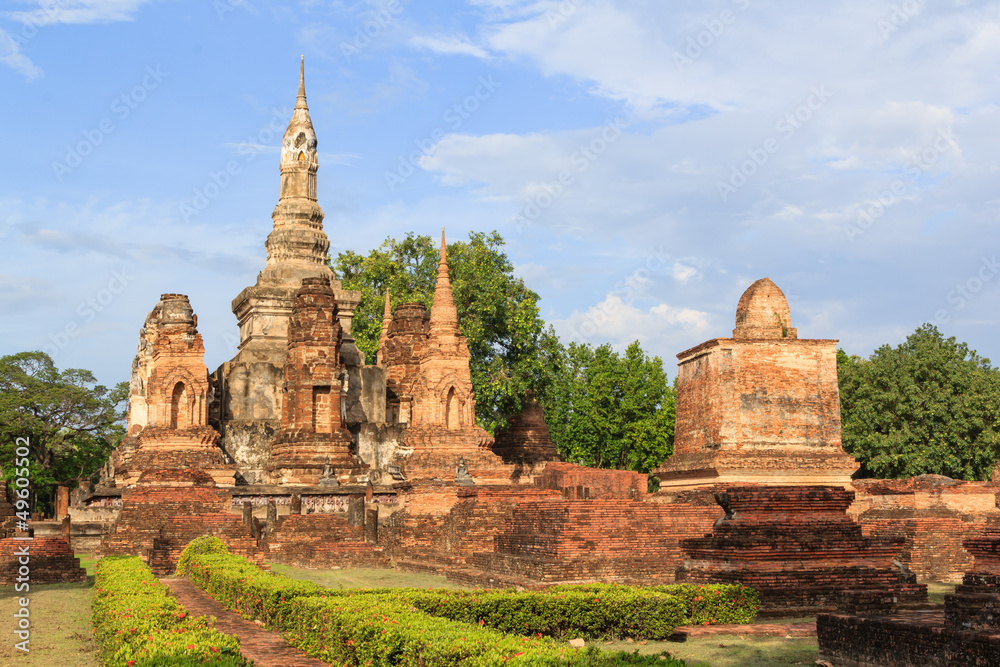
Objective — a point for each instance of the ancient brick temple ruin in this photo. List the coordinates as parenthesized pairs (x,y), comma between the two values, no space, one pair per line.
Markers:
(965,632)
(300,450)
(761,407)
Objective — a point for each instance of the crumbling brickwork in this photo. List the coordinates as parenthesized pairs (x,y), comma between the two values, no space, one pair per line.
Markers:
(797,547)
(933,514)
(965,633)
(49,560)
(171,428)
(526,440)
(313,435)
(762,407)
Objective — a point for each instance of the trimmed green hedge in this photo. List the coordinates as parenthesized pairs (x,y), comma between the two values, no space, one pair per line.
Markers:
(200,546)
(383,631)
(386,627)
(137,624)
(605,614)
(705,604)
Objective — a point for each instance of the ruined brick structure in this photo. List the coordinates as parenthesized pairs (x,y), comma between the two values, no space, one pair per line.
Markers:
(798,548)
(966,632)
(761,407)
(169,398)
(933,514)
(313,436)
(527,440)
(299,450)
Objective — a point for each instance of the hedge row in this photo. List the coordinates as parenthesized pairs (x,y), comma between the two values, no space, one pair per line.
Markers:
(381,627)
(704,604)
(380,630)
(607,614)
(137,624)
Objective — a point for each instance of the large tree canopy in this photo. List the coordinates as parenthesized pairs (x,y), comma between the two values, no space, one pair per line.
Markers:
(608,411)
(498,314)
(71,422)
(929,405)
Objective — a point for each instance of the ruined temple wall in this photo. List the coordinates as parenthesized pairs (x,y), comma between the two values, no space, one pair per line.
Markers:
(579,482)
(934,514)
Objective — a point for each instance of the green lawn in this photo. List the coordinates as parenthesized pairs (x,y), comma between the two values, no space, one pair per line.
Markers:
(60,626)
(366,578)
(731,650)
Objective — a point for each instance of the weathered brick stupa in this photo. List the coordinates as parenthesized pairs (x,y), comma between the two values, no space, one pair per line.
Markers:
(171,495)
(527,439)
(762,407)
(313,443)
(430,389)
(168,400)
(249,386)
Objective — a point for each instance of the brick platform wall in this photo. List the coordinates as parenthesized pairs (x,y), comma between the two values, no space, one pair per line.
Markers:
(50,561)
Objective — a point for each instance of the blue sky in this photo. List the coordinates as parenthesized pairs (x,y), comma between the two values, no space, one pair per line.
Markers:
(645,160)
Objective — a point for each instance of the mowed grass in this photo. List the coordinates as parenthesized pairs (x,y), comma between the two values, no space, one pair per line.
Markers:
(936,592)
(60,626)
(730,650)
(366,578)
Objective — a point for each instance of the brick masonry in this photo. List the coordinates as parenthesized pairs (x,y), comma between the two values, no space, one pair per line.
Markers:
(762,407)
(49,561)
(965,632)
(798,548)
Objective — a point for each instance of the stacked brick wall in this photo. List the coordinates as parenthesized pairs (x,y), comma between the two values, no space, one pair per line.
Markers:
(167,510)
(49,561)
(797,547)
(582,483)
(323,540)
(933,514)
(904,639)
(965,632)
(595,540)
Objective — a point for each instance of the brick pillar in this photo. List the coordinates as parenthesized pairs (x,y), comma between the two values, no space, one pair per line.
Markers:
(371,526)
(62,502)
(272,516)
(247,513)
(296,504)
(356,511)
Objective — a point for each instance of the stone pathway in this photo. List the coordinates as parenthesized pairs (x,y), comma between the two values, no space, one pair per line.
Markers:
(266,648)
(754,630)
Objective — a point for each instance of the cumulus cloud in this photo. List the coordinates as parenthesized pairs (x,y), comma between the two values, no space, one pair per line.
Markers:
(449,45)
(11,56)
(50,12)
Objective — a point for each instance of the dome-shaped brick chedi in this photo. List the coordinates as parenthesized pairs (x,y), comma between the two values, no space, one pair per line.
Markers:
(763,313)
(762,407)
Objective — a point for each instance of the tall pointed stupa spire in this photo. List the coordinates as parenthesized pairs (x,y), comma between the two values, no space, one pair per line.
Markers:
(384,338)
(300,103)
(299,160)
(444,315)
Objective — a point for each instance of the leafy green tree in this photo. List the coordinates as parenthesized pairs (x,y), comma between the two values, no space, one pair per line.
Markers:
(71,423)
(929,405)
(609,411)
(498,314)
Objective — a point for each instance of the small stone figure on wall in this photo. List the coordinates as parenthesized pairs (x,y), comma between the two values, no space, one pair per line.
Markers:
(462,476)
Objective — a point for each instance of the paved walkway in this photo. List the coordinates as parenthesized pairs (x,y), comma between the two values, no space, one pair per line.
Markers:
(753,629)
(266,648)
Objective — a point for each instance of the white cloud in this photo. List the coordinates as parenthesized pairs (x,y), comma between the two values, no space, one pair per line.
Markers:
(11,56)
(449,45)
(51,12)
(662,329)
